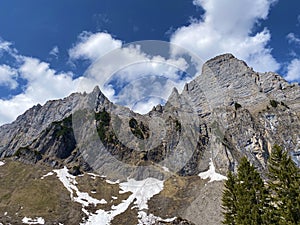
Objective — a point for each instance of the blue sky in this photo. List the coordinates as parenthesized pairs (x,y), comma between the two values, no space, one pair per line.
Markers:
(47,46)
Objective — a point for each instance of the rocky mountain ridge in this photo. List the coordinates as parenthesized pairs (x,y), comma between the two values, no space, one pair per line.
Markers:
(227,112)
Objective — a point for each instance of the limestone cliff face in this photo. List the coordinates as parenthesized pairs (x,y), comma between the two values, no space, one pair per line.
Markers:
(227,112)
(247,112)
(236,111)
(32,123)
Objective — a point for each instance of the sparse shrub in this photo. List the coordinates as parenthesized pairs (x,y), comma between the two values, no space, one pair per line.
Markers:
(21,151)
(274,103)
(103,117)
(141,131)
(133,123)
(237,105)
(177,125)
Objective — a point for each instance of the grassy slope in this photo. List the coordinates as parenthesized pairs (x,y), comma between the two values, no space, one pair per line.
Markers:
(24,193)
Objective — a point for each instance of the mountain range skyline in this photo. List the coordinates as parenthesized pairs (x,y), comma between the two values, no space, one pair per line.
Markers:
(45,53)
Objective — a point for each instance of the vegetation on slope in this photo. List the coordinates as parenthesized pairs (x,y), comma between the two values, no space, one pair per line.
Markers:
(248,200)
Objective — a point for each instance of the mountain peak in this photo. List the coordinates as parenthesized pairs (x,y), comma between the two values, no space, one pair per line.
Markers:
(96,89)
(223,57)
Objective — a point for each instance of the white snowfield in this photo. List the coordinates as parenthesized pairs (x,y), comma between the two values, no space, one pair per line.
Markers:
(142,191)
(212,174)
(38,220)
(69,182)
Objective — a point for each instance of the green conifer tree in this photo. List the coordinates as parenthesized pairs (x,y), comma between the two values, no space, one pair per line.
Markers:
(284,183)
(244,196)
(229,200)
(251,195)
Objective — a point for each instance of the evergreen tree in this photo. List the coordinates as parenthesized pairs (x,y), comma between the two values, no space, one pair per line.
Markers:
(251,195)
(284,183)
(229,200)
(244,196)
(246,200)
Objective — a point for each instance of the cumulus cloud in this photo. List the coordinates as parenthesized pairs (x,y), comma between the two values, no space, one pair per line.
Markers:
(292,38)
(293,73)
(8,77)
(43,83)
(128,74)
(92,46)
(145,105)
(227,26)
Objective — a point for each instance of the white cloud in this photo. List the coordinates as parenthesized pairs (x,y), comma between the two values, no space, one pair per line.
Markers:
(43,84)
(122,72)
(293,73)
(4,45)
(149,89)
(54,51)
(145,105)
(128,75)
(292,38)
(226,27)
(8,76)
(128,65)
(92,46)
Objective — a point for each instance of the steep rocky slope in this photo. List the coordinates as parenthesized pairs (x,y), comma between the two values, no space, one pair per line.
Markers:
(225,113)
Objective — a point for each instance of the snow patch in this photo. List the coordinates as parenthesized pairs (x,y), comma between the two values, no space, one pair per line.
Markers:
(112,182)
(103,201)
(166,169)
(212,174)
(141,191)
(69,182)
(47,175)
(38,220)
(93,176)
(150,219)
(2,163)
